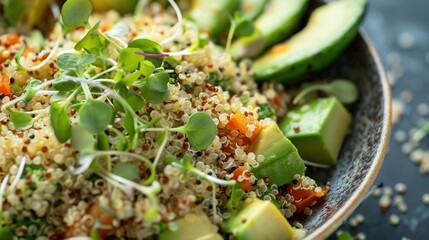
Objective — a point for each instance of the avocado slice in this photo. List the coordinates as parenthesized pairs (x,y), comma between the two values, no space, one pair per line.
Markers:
(277,22)
(124,6)
(318,129)
(212,16)
(251,9)
(329,31)
(195,226)
(282,161)
(259,220)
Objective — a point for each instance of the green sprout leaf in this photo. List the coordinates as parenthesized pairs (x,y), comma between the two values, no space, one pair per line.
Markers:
(147,68)
(31,90)
(126,170)
(235,201)
(201,130)
(93,42)
(129,61)
(75,13)
(95,115)
(13,10)
(82,140)
(133,99)
(103,142)
(60,122)
(21,120)
(155,88)
(65,85)
(75,62)
(148,46)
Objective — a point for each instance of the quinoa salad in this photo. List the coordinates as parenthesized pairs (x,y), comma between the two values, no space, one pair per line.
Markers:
(121,126)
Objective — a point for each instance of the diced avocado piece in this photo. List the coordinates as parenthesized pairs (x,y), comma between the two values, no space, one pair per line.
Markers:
(277,22)
(251,9)
(124,6)
(282,161)
(195,226)
(329,31)
(212,16)
(259,220)
(318,129)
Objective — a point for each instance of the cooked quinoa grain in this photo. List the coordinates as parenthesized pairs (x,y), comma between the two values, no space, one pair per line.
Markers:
(136,176)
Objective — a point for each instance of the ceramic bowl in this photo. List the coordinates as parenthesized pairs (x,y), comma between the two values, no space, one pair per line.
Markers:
(364,149)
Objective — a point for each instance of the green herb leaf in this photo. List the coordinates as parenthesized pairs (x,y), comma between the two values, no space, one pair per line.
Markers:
(21,120)
(95,43)
(169,159)
(65,85)
(95,235)
(60,122)
(82,140)
(235,201)
(345,236)
(148,46)
(95,115)
(147,68)
(266,111)
(103,142)
(187,162)
(133,99)
(128,122)
(31,90)
(75,62)
(344,90)
(201,130)
(75,13)
(126,170)
(129,61)
(13,10)
(155,88)
(245,27)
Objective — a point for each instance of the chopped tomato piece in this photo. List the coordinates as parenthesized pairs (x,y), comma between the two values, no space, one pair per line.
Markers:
(304,197)
(5,85)
(246,185)
(239,122)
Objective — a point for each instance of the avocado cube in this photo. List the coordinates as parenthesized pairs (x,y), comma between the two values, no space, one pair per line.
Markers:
(282,161)
(194,226)
(318,129)
(259,220)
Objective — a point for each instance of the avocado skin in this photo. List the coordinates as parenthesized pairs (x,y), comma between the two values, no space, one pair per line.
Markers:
(282,161)
(258,220)
(212,16)
(124,6)
(263,36)
(323,124)
(291,69)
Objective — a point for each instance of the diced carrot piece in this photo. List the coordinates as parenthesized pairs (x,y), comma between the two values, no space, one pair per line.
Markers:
(12,38)
(5,85)
(238,121)
(246,185)
(304,197)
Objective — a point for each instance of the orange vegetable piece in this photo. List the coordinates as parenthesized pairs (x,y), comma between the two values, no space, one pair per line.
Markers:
(246,185)
(5,85)
(304,197)
(12,38)
(238,121)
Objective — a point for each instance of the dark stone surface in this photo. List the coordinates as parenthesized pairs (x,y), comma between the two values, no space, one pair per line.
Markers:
(386,20)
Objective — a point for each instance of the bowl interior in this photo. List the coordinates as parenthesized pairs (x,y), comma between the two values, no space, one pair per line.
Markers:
(364,148)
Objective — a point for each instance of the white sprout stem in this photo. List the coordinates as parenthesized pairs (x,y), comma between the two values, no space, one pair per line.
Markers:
(18,174)
(140,5)
(47,92)
(122,44)
(230,33)
(49,58)
(206,176)
(105,80)
(56,12)
(318,165)
(127,154)
(178,24)
(185,52)
(86,90)
(39,111)
(3,189)
(85,162)
(214,200)
(128,190)
(157,158)
(111,61)
(304,92)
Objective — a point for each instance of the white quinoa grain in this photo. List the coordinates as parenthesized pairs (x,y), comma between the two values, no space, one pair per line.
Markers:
(425,198)
(394,219)
(400,188)
(384,201)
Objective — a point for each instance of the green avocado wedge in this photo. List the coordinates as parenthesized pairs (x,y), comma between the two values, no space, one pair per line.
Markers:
(330,29)
(278,21)
(212,16)
(251,9)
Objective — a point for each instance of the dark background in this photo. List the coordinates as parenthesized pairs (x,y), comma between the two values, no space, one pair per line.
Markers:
(400,28)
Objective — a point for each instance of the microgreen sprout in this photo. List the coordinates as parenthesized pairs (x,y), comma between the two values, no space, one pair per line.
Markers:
(240,26)
(75,13)
(344,90)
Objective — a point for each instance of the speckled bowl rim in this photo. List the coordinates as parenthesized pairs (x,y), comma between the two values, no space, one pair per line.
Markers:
(337,219)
